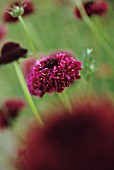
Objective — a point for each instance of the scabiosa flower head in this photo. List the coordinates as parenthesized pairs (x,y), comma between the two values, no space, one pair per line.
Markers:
(93,8)
(10,52)
(28,9)
(10,110)
(53,74)
(83,140)
(3,31)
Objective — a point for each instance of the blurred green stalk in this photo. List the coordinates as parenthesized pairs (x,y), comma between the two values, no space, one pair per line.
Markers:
(26,92)
(63,97)
(27,35)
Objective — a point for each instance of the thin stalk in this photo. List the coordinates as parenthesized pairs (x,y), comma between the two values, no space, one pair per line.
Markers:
(37,39)
(67,101)
(27,35)
(63,97)
(26,92)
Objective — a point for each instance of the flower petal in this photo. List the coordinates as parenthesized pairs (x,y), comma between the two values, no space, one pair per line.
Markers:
(11,51)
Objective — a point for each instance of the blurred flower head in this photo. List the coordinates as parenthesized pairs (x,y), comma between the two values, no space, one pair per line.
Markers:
(10,110)
(53,74)
(28,9)
(78,141)
(10,52)
(93,8)
(3,31)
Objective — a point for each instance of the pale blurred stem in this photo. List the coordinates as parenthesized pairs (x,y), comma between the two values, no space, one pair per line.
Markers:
(26,92)
(27,35)
(67,101)
(35,35)
(63,97)
(93,28)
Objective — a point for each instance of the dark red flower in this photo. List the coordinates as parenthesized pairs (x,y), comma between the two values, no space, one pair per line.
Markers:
(28,9)
(93,8)
(10,110)
(53,74)
(83,140)
(10,52)
(3,31)
(14,106)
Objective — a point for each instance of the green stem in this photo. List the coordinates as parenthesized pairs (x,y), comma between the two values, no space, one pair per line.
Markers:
(101,40)
(27,94)
(37,39)
(28,35)
(65,100)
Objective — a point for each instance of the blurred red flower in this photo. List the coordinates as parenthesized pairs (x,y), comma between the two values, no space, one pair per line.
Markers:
(10,110)
(82,140)
(93,8)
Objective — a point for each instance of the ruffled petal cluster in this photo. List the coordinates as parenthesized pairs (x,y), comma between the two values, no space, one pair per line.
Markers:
(93,8)
(83,140)
(53,74)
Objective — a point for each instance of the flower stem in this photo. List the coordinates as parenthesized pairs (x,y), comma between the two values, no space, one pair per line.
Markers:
(27,94)
(28,35)
(37,39)
(65,100)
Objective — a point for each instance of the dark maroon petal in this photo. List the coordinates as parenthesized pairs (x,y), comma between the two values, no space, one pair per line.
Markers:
(87,6)
(29,8)
(8,18)
(10,52)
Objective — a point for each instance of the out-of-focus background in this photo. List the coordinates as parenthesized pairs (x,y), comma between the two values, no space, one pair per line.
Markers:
(54,27)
